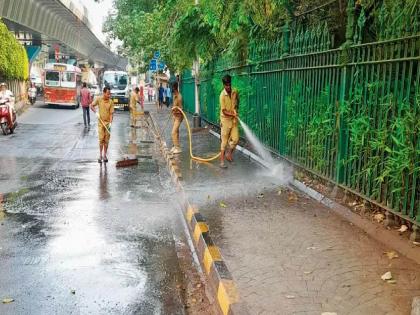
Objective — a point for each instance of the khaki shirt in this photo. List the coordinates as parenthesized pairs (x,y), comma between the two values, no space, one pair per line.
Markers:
(106,108)
(133,101)
(177,103)
(228,103)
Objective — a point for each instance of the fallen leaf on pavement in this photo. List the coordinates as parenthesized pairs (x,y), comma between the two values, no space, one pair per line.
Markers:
(222,205)
(403,228)
(311,247)
(8,300)
(307,272)
(290,296)
(379,217)
(292,196)
(391,254)
(386,276)
(260,196)
(73,291)
(198,285)
(392,281)
(279,192)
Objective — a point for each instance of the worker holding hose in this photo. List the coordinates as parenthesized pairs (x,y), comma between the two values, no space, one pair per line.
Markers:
(177,118)
(105,114)
(228,121)
(134,99)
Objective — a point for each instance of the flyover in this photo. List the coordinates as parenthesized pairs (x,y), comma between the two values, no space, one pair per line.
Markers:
(59,21)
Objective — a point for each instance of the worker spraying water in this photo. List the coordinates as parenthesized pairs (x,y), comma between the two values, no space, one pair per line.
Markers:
(229,100)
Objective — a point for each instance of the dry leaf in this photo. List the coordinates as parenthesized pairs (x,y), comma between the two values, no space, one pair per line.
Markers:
(307,272)
(403,228)
(386,276)
(290,296)
(279,192)
(391,254)
(379,217)
(8,300)
(198,285)
(311,247)
(292,196)
(392,281)
(222,205)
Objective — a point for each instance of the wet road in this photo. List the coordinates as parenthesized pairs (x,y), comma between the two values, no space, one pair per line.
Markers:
(80,238)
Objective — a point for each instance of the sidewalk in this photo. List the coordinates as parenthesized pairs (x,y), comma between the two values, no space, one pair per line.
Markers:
(289,254)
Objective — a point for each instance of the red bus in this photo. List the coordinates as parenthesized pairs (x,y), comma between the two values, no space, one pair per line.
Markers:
(62,84)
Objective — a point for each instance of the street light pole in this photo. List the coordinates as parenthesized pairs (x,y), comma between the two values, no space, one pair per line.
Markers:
(196,68)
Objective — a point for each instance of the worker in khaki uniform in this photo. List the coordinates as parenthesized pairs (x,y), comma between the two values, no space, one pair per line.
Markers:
(134,99)
(228,121)
(177,118)
(105,115)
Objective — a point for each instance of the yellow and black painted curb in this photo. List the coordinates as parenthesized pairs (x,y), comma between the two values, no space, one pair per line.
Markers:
(222,284)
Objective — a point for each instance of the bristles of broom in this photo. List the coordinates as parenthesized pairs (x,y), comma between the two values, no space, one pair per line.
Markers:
(127,162)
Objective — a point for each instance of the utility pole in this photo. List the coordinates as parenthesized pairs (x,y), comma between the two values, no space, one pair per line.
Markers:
(196,69)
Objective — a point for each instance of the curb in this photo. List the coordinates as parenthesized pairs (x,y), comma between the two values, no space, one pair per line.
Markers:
(223,287)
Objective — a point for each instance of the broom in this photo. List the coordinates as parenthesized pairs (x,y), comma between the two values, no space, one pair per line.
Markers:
(128,160)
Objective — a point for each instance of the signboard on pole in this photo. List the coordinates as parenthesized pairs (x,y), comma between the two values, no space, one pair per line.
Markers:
(153,65)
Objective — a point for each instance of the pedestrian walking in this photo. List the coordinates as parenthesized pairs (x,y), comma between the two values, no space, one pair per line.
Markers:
(105,114)
(168,96)
(161,95)
(177,119)
(150,93)
(229,100)
(85,101)
(134,99)
(141,98)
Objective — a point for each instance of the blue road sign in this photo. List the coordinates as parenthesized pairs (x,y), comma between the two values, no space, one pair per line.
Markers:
(153,65)
(156,54)
(161,65)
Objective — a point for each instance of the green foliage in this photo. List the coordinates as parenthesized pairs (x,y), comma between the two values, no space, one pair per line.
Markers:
(320,129)
(14,62)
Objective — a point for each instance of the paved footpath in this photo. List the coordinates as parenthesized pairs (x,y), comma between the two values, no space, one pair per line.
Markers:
(288,253)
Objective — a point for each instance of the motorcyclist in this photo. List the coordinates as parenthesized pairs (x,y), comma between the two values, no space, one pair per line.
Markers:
(32,93)
(6,96)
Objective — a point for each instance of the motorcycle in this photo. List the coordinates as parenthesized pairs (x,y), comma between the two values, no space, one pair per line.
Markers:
(32,100)
(32,96)
(8,122)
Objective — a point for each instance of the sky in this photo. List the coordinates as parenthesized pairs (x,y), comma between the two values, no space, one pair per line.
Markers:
(97,14)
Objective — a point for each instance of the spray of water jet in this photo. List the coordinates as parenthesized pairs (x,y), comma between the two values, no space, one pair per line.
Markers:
(276,169)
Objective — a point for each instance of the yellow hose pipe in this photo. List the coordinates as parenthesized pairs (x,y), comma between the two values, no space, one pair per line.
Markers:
(196,158)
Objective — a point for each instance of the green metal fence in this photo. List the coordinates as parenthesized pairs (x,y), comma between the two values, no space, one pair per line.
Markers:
(350,114)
